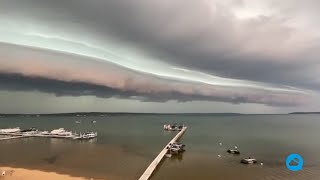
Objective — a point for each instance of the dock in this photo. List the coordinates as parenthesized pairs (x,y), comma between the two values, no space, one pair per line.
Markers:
(12,137)
(21,135)
(148,172)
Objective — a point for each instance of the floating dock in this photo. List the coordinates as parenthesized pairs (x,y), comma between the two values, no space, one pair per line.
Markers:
(20,135)
(12,137)
(148,172)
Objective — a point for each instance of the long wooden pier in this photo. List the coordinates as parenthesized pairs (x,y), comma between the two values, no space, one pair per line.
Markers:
(148,172)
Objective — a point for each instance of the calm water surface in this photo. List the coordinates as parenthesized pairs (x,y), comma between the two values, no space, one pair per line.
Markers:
(127,143)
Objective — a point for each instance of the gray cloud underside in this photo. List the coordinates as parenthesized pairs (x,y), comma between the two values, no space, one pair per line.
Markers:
(73,75)
(203,36)
(194,35)
(18,82)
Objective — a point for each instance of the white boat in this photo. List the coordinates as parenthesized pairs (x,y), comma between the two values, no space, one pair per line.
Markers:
(45,133)
(233,151)
(248,161)
(174,127)
(61,132)
(175,148)
(10,130)
(87,135)
(30,131)
(178,145)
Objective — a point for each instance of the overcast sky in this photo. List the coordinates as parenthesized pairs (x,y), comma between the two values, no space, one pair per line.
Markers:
(241,56)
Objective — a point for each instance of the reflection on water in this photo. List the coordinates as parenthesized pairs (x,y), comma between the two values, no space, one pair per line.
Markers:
(177,157)
(126,144)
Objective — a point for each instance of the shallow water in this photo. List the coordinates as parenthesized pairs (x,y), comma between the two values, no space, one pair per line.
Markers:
(127,143)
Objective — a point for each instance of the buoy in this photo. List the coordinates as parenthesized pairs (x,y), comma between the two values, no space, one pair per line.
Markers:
(219,155)
(261,164)
(235,147)
(220,144)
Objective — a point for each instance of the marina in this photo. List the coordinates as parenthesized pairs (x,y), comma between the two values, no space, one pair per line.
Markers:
(15,133)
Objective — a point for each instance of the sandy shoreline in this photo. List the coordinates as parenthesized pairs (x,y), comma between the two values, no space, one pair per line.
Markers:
(27,174)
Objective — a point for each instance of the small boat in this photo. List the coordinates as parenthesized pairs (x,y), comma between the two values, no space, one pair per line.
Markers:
(248,161)
(10,130)
(179,145)
(61,132)
(29,131)
(87,135)
(45,133)
(78,122)
(94,122)
(180,149)
(174,127)
(175,148)
(233,151)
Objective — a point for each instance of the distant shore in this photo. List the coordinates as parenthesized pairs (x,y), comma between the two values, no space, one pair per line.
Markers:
(82,114)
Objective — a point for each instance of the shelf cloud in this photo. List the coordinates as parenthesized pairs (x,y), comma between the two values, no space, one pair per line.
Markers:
(235,51)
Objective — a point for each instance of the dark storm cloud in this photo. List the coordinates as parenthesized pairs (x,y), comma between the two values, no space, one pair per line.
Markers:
(72,75)
(17,82)
(203,36)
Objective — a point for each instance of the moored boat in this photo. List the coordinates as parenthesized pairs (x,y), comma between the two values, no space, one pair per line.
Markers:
(10,130)
(87,135)
(233,151)
(61,132)
(174,127)
(248,161)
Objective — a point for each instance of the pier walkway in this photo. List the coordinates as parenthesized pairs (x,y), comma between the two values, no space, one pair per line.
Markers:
(148,172)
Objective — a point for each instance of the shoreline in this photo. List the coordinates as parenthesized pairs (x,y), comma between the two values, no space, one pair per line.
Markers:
(13,173)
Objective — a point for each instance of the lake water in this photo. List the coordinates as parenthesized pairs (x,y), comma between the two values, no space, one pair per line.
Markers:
(127,144)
